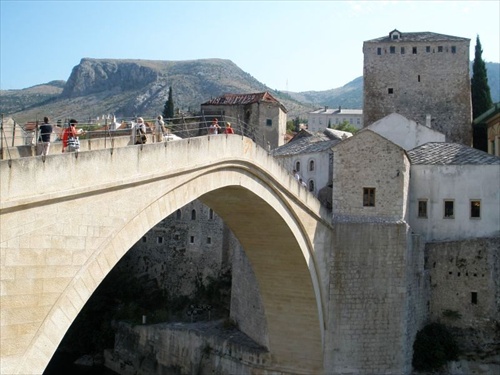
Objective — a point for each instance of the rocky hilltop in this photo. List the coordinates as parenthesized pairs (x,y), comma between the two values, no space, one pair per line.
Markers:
(128,88)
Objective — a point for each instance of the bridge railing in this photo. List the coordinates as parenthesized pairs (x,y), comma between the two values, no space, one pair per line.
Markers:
(19,140)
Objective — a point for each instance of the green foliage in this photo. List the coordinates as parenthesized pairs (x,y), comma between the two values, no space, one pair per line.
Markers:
(346,127)
(434,346)
(168,109)
(480,90)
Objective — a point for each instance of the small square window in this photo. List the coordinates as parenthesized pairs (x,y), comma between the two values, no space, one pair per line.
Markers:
(159,240)
(453,49)
(422,208)
(369,197)
(191,239)
(440,48)
(414,50)
(390,90)
(428,49)
(449,209)
(269,122)
(209,240)
(475,209)
(392,49)
(379,51)
(144,239)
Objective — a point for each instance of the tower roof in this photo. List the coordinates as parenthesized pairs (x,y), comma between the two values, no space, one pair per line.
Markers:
(424,36)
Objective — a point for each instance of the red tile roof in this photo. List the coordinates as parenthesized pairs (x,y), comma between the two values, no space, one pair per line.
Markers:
(242,99)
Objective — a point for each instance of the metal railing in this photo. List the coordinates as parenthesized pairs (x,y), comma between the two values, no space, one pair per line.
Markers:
(26,138)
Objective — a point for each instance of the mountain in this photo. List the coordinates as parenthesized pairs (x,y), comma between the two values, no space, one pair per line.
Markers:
(127,88)
(140,87)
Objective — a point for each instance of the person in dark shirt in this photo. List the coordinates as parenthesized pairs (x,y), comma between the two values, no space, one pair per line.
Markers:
(44,138)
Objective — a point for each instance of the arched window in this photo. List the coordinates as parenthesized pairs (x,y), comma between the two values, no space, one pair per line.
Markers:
(193,214)
(311,165)
(311,186)
(178,214)
(297,166)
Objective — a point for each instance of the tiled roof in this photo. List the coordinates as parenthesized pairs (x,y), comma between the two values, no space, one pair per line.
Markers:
(441,153)
(424,36)
(241,99)
(306,143)
(336,111)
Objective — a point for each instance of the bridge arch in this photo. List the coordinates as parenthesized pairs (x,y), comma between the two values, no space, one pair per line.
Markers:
(275,220)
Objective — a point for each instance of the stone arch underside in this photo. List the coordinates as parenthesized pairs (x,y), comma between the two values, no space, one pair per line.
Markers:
(259,215)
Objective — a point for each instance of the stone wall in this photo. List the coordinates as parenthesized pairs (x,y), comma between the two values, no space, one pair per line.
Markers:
(178,349)
(434,83)
(376,299)
(465,282)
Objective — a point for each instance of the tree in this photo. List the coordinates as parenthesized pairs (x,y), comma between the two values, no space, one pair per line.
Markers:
(168,109)
(480,91)
(346,127)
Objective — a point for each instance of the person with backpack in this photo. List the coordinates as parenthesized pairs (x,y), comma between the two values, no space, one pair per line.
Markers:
(71,142)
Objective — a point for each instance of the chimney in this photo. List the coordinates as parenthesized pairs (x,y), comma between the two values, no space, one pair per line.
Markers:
(428,121)
(326,108)
(340,108)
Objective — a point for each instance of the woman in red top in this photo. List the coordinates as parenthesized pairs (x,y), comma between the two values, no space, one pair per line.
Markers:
(229,129)
(70,132)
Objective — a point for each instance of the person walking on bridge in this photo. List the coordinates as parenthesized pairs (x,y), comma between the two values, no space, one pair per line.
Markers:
(45,133)
(229,129)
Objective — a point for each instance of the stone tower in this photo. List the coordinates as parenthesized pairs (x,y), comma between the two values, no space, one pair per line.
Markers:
(423,76)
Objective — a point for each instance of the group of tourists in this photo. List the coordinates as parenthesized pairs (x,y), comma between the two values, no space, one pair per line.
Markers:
(70,135)
(215,128)
(70,140)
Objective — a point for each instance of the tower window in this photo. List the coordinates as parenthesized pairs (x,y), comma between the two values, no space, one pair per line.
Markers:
(193,215)
(390,90)
(209,240)
(414,50)
(191,239)
(379,51)
(402,50)
(428,49)
(311,165)
(269,122)
(440,48)
(473,298)
(392,49)
(418,78)
(369,197)
(159,240)
(297,166)
(453,49)
(210,214)
(178,214)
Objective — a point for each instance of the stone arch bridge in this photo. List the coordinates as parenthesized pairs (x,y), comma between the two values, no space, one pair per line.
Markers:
(67,219)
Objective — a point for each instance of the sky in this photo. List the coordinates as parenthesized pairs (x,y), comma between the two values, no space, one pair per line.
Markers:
(287,45)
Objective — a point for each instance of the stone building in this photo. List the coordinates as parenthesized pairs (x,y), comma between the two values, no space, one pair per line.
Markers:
(326,117)
(263,116)
(423,76)
(310,156)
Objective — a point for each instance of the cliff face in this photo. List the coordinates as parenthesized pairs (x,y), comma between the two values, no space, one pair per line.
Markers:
(93,76)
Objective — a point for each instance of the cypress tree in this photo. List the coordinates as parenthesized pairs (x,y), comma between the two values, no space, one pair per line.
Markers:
(168,109)
(480,91)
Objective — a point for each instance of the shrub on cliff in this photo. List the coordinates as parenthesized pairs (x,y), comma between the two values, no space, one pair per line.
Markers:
(434,346)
